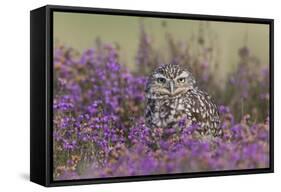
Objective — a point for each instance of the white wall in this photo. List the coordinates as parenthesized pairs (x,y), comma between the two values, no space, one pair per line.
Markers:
(14,94)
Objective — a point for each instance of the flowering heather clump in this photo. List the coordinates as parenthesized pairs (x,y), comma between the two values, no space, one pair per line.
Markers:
(99,128)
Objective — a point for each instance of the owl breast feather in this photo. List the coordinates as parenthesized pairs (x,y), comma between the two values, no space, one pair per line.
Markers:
(195,106)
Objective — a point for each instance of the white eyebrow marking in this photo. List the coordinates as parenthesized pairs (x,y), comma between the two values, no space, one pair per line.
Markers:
(159,76)
(183,75)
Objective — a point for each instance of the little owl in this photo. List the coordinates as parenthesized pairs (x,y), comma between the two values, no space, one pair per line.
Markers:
(172,95)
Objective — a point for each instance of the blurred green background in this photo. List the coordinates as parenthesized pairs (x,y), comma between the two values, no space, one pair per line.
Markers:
(80,31)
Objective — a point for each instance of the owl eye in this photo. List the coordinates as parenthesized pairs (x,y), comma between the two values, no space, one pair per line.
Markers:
(181,80)
(161,80)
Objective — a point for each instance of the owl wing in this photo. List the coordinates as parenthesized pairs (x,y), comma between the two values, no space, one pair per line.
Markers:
(202,111)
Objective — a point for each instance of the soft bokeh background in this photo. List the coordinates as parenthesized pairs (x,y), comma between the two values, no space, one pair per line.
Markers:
(80,31)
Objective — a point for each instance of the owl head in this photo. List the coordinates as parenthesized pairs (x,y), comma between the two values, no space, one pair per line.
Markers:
(169,81)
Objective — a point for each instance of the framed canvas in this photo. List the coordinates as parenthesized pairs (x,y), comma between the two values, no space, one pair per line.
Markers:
(125,95)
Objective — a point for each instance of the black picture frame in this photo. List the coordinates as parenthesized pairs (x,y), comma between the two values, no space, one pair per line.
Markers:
(41,57)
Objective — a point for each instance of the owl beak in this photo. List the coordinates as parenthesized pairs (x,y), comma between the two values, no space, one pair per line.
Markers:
(172,87)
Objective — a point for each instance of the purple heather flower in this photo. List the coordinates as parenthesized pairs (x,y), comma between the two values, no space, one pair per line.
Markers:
(223,109)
